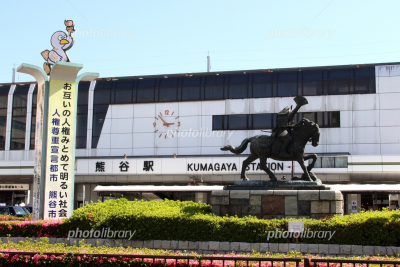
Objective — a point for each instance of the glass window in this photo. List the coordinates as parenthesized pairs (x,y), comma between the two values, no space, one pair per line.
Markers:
(83,93)
(145,95)
(169,82)
(98,120)
(123,96)
(191,81)
(82,113)
(146,83)
(341,162)
(235,79)
(334,119)
(102,97)
(364,86)
(262,78)
(214,87)
(124,92)
(287,89)
(317,162)
(190,93)
(309,115)
(214,92)
(81,125)
(328,162)
(33,119)
(215,80)
(103,85)
(364,73)
(19,111)
(145,90)
(218,122)
(81,142)
(124,85)
(312,75)
(338,87)
(168,94)
(237,122)
(262,90)
(339,74)
(237,91)
(287,76)
(95,141)
(262,121)
(313,88)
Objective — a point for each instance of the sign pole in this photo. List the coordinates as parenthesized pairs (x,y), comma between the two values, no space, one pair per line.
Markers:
(40,136)
(54,165)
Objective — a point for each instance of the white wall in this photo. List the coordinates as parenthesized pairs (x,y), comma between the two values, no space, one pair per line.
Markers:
(370,123)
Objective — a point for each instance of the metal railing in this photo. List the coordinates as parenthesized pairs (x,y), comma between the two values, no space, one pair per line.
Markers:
(153,260)
(348,262)
(189,260)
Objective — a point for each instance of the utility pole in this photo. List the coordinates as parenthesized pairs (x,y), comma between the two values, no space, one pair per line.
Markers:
(208,62)
(13,74)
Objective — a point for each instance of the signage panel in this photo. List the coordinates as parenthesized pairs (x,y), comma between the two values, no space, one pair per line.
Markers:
(60,150)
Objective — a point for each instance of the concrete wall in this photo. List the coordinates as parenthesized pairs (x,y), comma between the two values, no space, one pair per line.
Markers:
(214,247)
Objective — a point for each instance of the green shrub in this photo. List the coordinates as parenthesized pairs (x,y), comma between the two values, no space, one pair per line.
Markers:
(176,220)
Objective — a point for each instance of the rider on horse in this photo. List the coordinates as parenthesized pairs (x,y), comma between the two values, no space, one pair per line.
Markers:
(283,127)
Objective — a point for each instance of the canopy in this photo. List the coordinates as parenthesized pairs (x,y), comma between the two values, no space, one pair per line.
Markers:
(158,188)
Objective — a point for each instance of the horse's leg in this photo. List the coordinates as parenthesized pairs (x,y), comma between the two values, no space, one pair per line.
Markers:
(314,159)
(246,163)
(300,160)
(263,166)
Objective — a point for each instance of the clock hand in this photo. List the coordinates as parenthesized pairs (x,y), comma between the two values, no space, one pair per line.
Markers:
(162,119)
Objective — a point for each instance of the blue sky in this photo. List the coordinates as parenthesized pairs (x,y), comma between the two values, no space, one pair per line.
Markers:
(130,38)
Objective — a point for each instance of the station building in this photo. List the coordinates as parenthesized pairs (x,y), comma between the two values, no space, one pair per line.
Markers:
(168,130)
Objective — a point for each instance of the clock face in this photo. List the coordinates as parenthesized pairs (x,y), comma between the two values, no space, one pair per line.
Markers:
(166,124)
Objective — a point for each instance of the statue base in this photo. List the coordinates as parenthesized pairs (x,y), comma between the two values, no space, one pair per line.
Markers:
(277,185)
(277,199)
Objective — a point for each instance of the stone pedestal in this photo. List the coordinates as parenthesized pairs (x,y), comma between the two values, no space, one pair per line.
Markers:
(277,203)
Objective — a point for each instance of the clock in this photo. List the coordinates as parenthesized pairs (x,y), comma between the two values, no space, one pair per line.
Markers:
(166,124)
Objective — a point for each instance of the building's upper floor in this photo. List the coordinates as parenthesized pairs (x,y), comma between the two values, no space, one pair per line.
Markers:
(343,101)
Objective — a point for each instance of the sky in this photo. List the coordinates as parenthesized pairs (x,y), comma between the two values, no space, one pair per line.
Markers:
(137,38)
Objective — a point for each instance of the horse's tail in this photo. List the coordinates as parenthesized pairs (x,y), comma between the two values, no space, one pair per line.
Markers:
(239,149)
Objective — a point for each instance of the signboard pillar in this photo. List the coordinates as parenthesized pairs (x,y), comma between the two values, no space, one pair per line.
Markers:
(40,136)
(55,138)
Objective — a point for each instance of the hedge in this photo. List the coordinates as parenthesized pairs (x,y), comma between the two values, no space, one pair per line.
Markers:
(175,220)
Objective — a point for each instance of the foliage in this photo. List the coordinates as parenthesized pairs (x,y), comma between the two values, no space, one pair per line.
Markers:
(15,218)
(175,220)
(82,255)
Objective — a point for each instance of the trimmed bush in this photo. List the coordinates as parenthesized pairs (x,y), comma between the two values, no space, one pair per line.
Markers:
(175,220)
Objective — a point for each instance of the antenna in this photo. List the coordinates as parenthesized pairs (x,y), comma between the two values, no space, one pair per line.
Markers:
(13,74)
(208,62)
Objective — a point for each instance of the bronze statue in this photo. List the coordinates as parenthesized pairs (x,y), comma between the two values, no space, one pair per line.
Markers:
(282,129)
(286,143)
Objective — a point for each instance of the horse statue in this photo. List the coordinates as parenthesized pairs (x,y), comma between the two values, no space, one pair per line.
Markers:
(270,146)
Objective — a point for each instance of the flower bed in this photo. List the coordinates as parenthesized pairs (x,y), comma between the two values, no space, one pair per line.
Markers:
(32,253)
(44,228)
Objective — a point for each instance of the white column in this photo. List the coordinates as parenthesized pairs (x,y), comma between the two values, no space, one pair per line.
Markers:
(90,119)
(28,121)
(9,122)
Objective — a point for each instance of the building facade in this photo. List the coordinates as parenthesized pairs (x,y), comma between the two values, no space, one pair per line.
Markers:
(168,129)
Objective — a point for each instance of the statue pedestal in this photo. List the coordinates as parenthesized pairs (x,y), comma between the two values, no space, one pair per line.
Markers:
(280,199)
(276,185)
